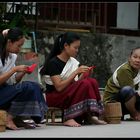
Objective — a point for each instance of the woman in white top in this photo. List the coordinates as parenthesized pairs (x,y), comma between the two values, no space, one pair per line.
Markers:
(18,99)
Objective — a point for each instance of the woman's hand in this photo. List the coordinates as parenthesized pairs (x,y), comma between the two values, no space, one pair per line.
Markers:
(5,76)
(85,71)
(82,69)
(138,93)
(20,68)
(5,32)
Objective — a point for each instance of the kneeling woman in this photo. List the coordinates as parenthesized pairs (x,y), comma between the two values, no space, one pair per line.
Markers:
(124,86)
(18,99)
(80,99)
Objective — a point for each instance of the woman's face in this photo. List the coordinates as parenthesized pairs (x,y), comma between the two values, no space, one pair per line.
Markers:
(72,49)
(135,59)
(14,47)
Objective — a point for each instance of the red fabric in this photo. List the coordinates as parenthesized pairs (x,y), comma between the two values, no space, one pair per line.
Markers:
(87,74)
(31,68)
(80,97)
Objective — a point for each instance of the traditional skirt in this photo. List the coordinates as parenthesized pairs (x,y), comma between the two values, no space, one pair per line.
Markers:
(23,99)
(77,99)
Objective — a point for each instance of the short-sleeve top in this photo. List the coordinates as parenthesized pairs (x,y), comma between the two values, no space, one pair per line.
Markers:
(55,67)
(9,63)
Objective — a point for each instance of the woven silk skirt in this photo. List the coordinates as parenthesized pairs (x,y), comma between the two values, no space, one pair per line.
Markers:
(77,99)
(23,99)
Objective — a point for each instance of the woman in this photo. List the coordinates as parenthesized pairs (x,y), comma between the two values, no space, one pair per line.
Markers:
(18,99)
(123,86)
(80,99)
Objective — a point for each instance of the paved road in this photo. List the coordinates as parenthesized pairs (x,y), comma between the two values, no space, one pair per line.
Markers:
(127,129)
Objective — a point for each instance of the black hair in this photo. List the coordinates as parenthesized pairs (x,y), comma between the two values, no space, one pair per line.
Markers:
(68,37)
(13,35)
(134,50)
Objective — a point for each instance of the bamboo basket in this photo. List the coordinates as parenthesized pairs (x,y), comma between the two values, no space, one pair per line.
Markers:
(113,112)
(3,116)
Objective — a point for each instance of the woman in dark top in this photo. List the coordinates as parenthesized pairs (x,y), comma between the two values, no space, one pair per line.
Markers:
(79,97)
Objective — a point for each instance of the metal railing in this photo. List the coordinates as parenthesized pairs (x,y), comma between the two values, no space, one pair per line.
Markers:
(84,15)
(66,14)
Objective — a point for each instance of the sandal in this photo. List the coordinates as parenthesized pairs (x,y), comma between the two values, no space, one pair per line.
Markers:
(20,123)
(29,126)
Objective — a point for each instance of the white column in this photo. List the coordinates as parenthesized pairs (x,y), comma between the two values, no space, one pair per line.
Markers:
(127,15)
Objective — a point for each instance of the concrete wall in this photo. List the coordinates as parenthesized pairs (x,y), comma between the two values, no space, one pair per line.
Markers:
(121,48)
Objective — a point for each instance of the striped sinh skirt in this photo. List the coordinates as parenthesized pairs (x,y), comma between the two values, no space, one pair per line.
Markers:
(23,99)
(77,99)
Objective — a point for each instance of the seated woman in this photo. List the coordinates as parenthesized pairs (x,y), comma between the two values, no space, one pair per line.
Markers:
(18,99)
(124,86)
(79,98)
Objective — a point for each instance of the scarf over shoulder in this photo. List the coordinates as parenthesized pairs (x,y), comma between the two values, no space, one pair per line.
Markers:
(136,80)
(71,65)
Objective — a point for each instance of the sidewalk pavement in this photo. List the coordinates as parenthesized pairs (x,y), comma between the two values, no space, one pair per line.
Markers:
(127,129)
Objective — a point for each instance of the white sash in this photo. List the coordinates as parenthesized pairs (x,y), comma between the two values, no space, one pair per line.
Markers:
(136,80)
(115,76)
(71,65)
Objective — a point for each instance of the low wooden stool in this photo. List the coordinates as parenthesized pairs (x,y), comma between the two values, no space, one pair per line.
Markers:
(113,112)
(3,116)
(52,113)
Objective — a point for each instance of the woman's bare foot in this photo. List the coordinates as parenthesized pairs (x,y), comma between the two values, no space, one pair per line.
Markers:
(71,123)
(136,116)
(95,120)
(10,124)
